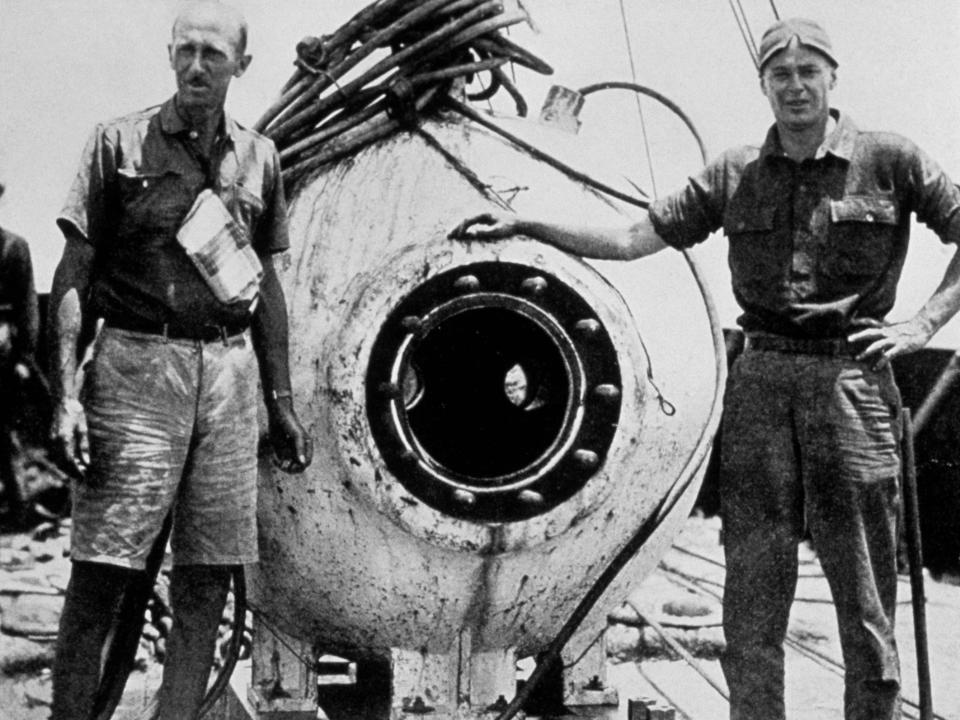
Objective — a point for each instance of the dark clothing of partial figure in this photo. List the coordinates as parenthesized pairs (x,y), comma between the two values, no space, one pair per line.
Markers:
(810,435)
(18,297)
(19,330)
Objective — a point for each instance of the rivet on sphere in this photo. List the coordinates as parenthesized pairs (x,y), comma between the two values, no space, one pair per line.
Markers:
(534,285)
(607,391)
(466,283)
(587,459)
(588,327)
(530,497)
(464,497)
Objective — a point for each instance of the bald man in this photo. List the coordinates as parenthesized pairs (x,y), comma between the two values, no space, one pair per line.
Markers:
(818,220)
(165,422)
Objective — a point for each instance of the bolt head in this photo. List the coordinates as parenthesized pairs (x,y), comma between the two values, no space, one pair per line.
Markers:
(534,285)
(588,327)
(466,284)
(586,459)
(530,497)
(464,497)
(607,391)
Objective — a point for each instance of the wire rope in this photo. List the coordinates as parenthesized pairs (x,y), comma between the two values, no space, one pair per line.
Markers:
(743,34)
(792,641)
(633,75)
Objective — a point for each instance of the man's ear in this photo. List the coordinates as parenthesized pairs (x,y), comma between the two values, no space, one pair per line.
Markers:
(833,78)
(242,64)
(170,55)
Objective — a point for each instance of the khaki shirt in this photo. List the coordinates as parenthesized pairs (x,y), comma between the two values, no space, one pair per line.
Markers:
(814,244)
(138,178)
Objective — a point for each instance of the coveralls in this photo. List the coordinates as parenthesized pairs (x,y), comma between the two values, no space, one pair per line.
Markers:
(810,435)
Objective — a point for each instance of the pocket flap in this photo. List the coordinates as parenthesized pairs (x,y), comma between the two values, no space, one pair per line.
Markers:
(864,208)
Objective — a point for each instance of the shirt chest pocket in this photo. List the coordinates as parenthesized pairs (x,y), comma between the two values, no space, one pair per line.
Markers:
(757,256)
(863,229)
(153,202)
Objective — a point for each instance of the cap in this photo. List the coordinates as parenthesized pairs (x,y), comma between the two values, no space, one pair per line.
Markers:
(807,32)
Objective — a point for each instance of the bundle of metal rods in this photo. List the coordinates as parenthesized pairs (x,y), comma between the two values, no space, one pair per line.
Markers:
(325,113)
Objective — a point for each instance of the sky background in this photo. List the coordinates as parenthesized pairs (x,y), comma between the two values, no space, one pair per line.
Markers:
(66,65)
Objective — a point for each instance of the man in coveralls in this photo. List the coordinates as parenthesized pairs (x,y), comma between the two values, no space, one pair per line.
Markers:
(818,221)
(169,399)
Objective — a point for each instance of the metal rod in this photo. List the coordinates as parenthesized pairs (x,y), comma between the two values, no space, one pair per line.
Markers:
(911,518)
(945,380)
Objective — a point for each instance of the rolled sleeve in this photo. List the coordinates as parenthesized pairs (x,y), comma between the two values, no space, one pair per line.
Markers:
(272,235)
(84,212)
(936,197)
(688,216)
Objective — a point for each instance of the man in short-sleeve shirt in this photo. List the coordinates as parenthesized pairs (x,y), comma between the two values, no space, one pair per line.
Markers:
(165,423)
(818,222)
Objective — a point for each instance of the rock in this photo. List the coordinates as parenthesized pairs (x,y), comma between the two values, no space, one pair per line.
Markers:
(26,581)
(33,615)
(622,641)
(47,550)
(46,531)
(21,655)
(38,692)
(15,558)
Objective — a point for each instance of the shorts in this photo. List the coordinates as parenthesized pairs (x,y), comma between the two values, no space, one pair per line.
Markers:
(172,427)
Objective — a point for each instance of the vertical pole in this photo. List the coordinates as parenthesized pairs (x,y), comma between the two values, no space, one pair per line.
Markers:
(911,516)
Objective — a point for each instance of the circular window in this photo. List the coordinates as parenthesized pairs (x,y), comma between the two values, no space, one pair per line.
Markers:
(492,392)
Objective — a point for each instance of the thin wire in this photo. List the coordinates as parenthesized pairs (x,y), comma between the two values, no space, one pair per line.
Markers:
(773,6)
(633,73)
(746,24)
(262,616)
(743,34)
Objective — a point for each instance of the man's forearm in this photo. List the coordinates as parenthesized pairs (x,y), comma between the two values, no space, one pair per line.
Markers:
(66,315)
(614,243)
(945,301)
(270,334)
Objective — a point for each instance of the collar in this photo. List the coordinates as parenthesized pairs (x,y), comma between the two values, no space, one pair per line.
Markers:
(839,143)
(172,123)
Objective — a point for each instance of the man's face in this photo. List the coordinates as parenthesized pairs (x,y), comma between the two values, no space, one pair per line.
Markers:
(797,82)
(204,56)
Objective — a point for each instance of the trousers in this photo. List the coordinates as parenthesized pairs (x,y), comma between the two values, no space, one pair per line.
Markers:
(810,443)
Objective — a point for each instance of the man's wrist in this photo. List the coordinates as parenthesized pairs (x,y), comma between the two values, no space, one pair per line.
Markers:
(71,404)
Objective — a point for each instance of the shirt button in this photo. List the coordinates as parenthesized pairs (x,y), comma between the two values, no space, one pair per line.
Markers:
(146,183)
(194,134)
(869,217)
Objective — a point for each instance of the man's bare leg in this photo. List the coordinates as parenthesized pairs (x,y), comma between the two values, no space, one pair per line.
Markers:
(93,595)
(198,594)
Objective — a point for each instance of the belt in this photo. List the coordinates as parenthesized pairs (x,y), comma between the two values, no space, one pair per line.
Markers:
(837,347)
(175,331)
